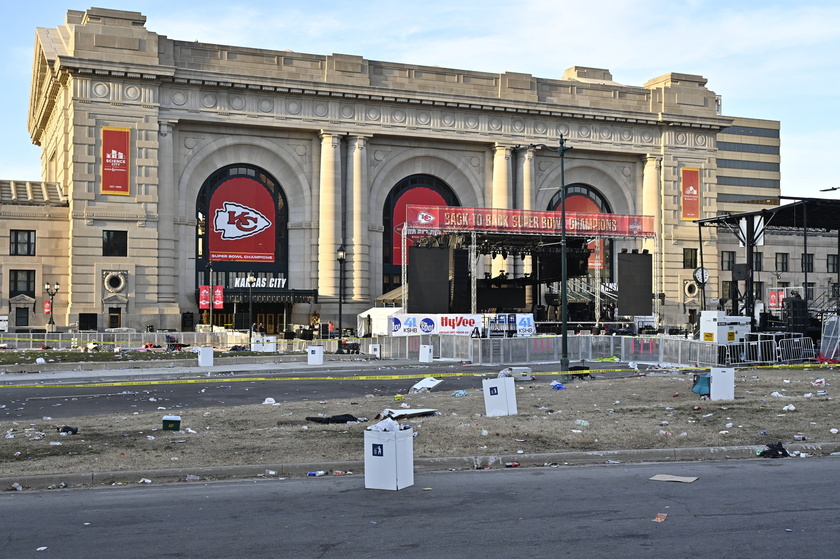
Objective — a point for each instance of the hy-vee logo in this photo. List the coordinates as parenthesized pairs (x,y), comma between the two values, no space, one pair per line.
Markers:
(235,221)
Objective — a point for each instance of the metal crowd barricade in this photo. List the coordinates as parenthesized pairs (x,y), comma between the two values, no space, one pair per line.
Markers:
(796,349)
(760,352)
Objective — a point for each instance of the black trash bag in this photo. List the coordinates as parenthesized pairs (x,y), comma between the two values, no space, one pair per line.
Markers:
(774,450)
(67,429)
(343,418)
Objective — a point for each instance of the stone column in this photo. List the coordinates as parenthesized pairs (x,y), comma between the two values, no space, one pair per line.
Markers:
(357,279)
(501,195)
(329,214)
(652,196)
(166,204)
(525,188)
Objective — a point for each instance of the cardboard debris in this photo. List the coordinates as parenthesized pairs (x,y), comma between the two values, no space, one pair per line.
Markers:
(660,517)
(426,384)
(668,477)
(405,414)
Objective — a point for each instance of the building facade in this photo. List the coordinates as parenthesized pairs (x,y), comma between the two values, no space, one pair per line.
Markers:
(146,141)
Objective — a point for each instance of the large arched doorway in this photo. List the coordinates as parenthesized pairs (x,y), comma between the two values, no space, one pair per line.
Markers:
(586,199)
(422,190)
(242,229)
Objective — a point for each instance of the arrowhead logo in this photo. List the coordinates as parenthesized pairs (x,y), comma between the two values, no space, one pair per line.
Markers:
(235,221)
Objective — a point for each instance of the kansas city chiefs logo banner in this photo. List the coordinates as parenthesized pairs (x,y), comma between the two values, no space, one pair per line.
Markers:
(242,215)
(235,221)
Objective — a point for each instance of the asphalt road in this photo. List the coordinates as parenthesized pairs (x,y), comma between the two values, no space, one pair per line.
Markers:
(748,508)
(119,391)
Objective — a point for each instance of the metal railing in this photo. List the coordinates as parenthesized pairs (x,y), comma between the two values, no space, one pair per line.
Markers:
(544,348)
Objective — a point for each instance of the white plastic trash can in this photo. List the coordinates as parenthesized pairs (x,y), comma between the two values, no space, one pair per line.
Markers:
(426,354)
(315,355)
(375,350)
(722,383)
(499,396)
(389,459)
(205,357)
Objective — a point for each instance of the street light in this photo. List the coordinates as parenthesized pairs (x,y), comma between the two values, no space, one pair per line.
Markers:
(251,280)
(564,306)
(341,256)
(51,291)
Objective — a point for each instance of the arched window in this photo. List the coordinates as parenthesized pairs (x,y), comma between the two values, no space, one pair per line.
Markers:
(421,190)
(586,199)
(242,223)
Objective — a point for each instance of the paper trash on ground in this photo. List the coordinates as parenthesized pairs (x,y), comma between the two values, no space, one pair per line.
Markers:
(405,414)
(667,477)
(426,384)
(518,373)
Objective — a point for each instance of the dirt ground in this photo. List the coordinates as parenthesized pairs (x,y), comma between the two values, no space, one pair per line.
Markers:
(654,411)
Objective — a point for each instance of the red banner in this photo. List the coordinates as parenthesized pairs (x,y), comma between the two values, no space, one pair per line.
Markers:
(432,220)
(775,298)
(242,216)
(218,297)
(416,196)
(204,297)
(690,193)
(115,176)
(47,307)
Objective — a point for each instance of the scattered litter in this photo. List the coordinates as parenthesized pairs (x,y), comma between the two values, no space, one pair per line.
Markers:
(150,437)
(41,361)
(833,431)
(660,517)
(425,385)
(193,477)
(16,486)
(42,548)
(818,382)
(67,430)
(319,473)
(144,480)
(555,385)
(576,431)
(789,407)
(269,401)
(582,422)
(800,437)
(460,393)
(518,373)
(511,464)
(399,397)
(55,443)
(668,477)
(779,395)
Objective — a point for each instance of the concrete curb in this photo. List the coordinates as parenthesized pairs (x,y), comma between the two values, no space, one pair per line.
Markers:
(421,465)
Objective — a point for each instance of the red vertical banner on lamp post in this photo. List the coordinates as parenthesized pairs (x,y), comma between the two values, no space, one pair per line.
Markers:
(47,307)
(690,193)
(218,297)
(116,143)
(204,297)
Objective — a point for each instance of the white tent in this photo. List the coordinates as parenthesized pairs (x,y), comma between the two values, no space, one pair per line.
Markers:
(376,321)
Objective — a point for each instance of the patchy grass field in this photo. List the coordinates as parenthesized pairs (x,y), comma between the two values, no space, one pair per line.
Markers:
(656,411)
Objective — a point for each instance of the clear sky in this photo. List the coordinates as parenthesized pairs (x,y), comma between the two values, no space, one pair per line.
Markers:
(767,59)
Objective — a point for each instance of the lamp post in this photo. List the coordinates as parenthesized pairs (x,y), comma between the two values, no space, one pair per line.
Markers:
(251,280)
(341,256)
(51,291)
(564,306)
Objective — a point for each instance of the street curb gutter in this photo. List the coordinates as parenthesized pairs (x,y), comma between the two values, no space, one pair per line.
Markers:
(421,465)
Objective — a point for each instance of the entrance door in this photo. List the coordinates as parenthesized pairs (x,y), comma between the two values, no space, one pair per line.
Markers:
(269,323)
(114,317)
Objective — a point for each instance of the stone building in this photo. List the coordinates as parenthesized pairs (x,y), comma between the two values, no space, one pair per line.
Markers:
(148,142)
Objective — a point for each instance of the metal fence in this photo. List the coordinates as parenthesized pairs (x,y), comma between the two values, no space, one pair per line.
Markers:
(502,351)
